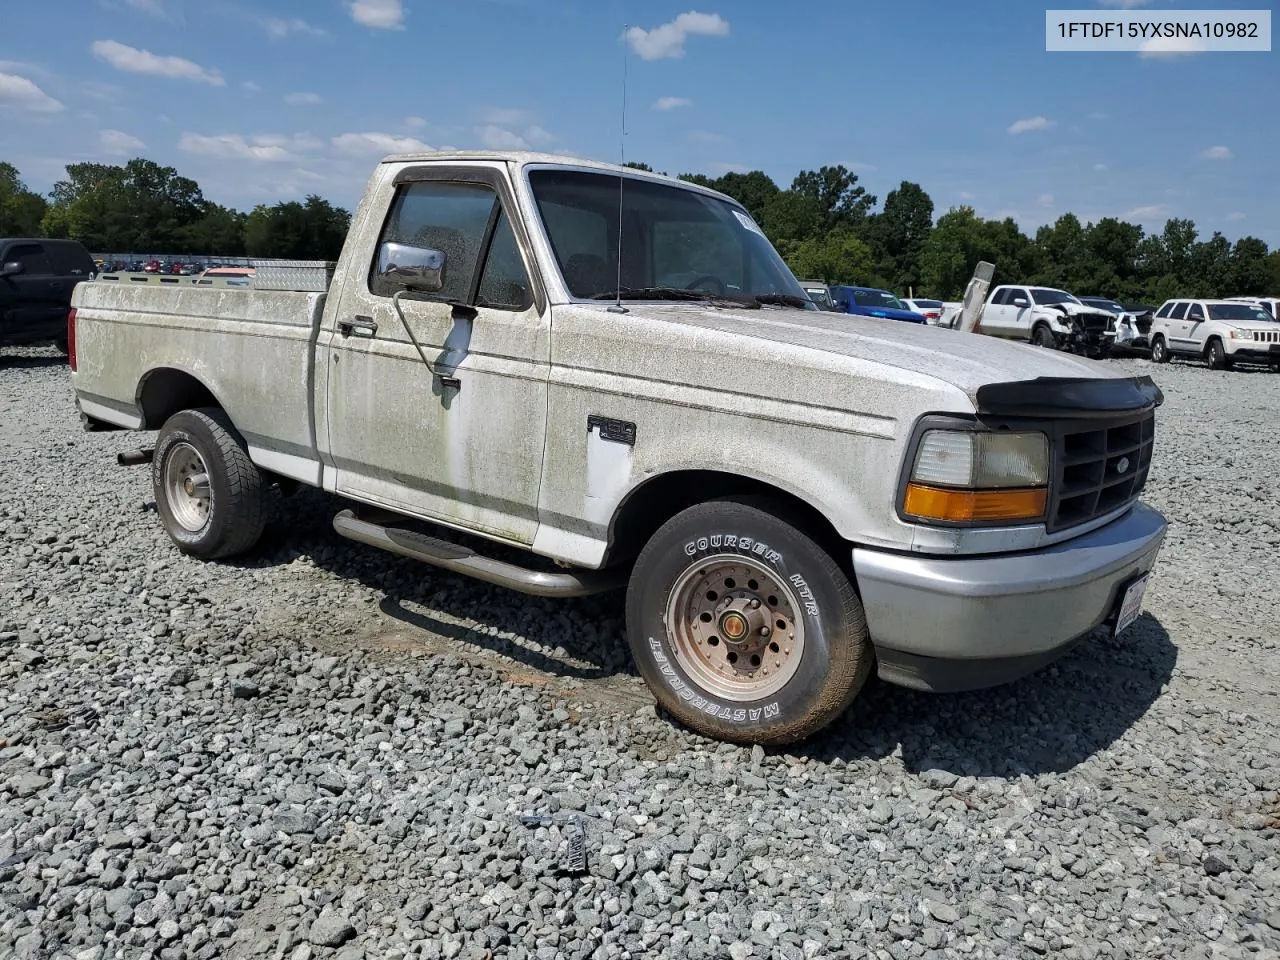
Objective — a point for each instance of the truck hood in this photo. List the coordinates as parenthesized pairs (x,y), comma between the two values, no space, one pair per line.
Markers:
(963,360)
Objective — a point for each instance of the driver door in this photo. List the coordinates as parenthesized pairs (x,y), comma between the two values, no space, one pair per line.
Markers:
(451,427)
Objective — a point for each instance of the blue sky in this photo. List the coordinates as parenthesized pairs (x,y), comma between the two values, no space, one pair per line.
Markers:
(269,100)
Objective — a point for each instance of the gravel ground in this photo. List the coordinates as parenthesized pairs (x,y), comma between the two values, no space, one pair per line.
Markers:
(322,752)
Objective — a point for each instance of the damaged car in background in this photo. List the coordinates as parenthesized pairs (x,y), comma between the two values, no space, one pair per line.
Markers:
(1047,318)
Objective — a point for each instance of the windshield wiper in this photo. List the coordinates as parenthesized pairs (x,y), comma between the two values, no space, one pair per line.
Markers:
(677,294)
(781,300)
(653,293)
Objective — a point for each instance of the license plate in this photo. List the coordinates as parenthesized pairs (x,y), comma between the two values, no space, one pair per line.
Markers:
(1131,605)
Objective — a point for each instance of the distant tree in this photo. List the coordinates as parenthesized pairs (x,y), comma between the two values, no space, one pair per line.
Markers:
(218,232)
(1250,276)
(898,235)
(839,257)
(311,230)
(1210,273)
(638,166)
(789,215)
(21,210)
(835,191)
(1273,270)
(700,179)
(140,206)
(753,190)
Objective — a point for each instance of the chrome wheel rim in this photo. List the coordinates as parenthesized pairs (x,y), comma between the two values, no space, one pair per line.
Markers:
(735,628)
(186,487)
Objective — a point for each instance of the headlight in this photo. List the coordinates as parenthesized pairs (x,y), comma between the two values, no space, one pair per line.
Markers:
(1240,334)
(972,476)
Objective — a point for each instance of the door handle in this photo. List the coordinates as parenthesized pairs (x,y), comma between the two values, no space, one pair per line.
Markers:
(363,325)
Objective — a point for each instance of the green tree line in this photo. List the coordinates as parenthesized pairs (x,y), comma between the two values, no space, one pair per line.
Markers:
(828,227)
(142,206)
(825,224)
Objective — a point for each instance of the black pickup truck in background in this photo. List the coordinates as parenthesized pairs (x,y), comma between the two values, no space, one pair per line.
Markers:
(36,280)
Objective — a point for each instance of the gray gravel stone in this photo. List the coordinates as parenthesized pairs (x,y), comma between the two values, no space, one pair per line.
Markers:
(405,718)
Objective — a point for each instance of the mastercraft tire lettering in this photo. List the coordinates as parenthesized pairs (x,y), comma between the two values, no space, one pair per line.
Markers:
(743,626)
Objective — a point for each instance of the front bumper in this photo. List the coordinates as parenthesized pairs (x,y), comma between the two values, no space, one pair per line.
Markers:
(1268,354)
(961,624)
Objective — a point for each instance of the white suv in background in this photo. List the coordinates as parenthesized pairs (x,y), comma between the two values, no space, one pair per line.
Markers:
(1221,332)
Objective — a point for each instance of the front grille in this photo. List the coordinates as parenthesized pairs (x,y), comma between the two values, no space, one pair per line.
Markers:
(1099,467)
(1267,336)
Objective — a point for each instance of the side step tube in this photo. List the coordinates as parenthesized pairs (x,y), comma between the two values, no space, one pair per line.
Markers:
(460,559)
(136,458)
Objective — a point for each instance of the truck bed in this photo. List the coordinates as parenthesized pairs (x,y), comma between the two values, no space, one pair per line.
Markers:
(253,349)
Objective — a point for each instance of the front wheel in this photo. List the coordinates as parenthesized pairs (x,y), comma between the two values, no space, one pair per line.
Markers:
(209,494)
(1217,356)
(1042,336)
(744,628)
(1159,352)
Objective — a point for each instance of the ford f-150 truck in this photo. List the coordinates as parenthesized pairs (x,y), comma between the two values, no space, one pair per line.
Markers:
(616,373)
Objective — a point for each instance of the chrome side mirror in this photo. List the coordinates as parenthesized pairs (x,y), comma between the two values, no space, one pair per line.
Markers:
(420,269)
(11,269)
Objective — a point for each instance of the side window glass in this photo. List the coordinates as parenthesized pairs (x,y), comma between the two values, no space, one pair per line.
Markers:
(504,283)
(1179,311)
(449,217)
(1164,311)
(32,257)
(1001,296)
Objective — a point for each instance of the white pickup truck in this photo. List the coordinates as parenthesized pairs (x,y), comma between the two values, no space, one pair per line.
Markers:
(616,372)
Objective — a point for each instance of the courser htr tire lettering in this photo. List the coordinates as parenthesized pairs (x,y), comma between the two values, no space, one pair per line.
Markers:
(209,494)
(744,627)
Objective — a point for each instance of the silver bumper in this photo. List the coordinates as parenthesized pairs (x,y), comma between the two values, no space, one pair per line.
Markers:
(1021,608)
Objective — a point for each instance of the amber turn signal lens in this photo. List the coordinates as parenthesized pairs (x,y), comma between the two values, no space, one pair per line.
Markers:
(961,506)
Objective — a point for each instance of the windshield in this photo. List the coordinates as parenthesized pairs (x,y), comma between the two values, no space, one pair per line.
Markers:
(877,298)
(672,239)
(1104,304)
(1237,311)
(819,295)
(928,304)
(1043,296)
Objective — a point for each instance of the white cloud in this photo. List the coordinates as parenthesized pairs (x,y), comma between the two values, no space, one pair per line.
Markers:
(1170,48)
(1236,217)
(538,136)
(1100,167)
(251,87)
(1045,199)
(279,29)
(414,123)
(966,195)
(500,138)
(132,60)
(666,42)
(1217,153)
(505,116)
(303,99)
(268,148)
(118,143)
(382,144)
(379,14)
(671,103)
(1028,124)
(21,93)
(1146,214)
(152,7)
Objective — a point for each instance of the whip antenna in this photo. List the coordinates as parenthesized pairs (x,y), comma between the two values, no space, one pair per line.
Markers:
(622,153)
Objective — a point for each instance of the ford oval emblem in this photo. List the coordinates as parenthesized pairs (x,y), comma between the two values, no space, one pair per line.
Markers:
(1122,465)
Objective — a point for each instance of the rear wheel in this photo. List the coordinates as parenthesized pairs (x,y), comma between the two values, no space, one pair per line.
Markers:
(1042,336)
(744,627)
(1159,352)
(209,494)
(1217,356)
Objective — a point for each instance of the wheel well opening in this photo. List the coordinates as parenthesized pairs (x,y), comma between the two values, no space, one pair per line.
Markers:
(653,504)
(166,391)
